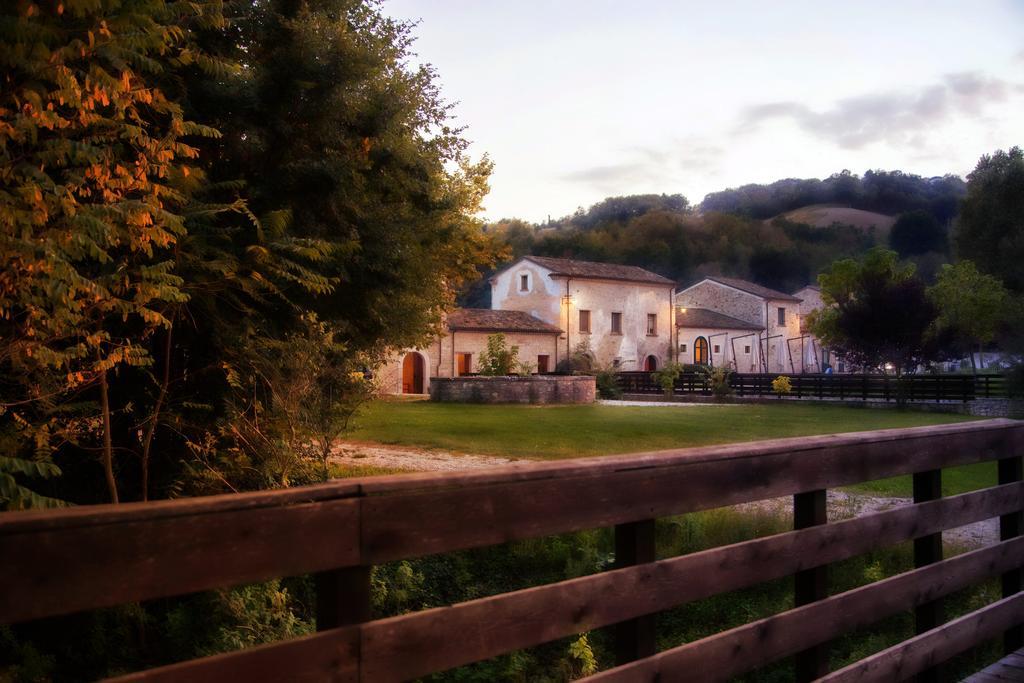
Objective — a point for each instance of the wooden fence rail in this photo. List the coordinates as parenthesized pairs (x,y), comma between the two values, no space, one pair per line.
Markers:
(84,558)
(936,388)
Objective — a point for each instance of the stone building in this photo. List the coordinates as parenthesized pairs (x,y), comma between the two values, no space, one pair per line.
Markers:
(623,314)
(458,352)
(754,328)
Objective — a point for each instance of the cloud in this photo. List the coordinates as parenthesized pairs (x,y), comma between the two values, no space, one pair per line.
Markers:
(647,166)
(894,118)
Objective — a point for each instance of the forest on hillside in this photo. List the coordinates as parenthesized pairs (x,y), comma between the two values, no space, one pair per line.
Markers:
(741,232)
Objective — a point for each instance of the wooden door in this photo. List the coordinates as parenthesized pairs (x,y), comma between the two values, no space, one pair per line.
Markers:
(412,374)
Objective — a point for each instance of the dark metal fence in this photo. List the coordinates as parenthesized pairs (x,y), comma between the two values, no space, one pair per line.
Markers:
(864,387)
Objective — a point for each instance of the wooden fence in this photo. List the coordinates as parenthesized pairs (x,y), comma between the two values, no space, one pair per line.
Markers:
(936,388)
(59,562)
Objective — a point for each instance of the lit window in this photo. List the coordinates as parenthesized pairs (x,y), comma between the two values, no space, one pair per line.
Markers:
(585,321)
(465,363)
(616,323)
(652,324)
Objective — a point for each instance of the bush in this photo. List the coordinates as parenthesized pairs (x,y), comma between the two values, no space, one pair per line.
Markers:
(608,384)
(667,376)
(497,360)
(782,385)
(718,378)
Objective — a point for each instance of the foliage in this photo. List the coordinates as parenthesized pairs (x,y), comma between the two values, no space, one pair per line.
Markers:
(917,232)
(782,385)
(581,360)
(17,496)
(876,312)
(666,377)
(253,615)
(990,229)
(498,360)
(718,377)
(583,661)
(607,382)
(887,192)
(169,215)
(972,306)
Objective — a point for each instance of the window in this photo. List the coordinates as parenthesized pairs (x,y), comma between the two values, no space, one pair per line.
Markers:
(746,349)
(542,364)
(616,323)
(718,348)
(585,322)
(782,316)
(700,351)
(652,324)
(682,348)
(524,283)
(465,363)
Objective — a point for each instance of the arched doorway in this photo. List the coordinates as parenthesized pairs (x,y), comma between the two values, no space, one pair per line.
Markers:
(650,364)
(700,351)
(412,374)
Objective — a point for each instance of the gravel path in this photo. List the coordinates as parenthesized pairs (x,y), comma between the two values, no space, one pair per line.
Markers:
(841,504)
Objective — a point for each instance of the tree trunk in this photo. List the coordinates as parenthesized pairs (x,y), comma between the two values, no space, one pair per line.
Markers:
(974,362)
(147,442)
(981,355)
(108,447)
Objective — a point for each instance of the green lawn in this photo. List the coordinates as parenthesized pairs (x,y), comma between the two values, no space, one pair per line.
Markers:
(552,432)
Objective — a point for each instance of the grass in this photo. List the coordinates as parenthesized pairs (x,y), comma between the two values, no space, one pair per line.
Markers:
(955,480)
(553,432)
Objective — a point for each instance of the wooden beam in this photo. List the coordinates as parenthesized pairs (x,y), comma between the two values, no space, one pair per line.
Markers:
(1011,526)
(417,644)
(921,653)
(928,550)
(810,509)
(740,650)
(634,545)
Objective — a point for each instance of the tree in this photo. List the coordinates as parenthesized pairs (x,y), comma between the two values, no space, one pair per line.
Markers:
(972,305)
(990,229)
(876,312)
(917,232)
(92,157)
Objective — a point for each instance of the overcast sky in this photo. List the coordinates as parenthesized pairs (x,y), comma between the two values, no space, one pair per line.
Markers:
(578,100)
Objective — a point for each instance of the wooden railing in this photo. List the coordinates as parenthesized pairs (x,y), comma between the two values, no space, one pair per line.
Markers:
(90,557)
(937,388)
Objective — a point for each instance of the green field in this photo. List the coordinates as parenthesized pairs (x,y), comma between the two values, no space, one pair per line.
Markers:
(553,432)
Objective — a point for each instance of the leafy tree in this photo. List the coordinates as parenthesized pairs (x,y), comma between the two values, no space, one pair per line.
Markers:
(876,312)
(972,305)
(917,232)
(92,157)
(498,359)
(990,229)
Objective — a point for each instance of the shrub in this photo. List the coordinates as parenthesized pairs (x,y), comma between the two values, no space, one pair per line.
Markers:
(667,376)
(497,360)
(718,378)
(608,384)
(782,385)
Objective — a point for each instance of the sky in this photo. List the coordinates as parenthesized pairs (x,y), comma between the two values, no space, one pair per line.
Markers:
(575,100)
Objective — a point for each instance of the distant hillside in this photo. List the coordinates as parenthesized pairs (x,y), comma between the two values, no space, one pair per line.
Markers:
(824,215)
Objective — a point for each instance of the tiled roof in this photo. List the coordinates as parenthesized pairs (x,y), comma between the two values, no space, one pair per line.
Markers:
(702,317)
(752,288)
(490,320)
(599,271)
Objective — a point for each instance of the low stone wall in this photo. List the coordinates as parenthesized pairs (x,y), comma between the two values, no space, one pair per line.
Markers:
(533,389)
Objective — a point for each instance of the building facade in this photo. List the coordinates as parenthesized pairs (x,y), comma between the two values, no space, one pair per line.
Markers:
(623,315)
(754,327)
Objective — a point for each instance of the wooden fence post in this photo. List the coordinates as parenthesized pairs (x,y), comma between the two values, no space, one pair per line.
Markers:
(342,597)
(810,509)
(928,550)
(634,544)
(1011,526)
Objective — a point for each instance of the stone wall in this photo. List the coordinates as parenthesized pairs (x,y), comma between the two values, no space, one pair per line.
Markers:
(537,389)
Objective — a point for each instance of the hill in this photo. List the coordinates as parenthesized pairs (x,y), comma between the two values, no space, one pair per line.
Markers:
(825,215)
